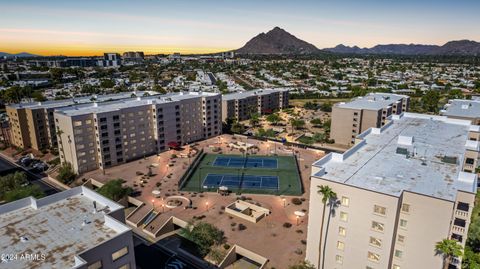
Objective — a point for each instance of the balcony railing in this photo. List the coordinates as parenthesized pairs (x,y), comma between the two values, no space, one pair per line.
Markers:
(458,229)
(461,213)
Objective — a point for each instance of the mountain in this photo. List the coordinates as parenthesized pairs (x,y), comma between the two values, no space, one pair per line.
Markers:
(21,54)
(277,41)
(456,48)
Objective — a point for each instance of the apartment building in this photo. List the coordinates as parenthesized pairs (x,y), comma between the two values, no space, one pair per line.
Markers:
(77,228)
(353,118)
(400,189)
(33,126)
(101,135)
(242,105)
(463,109)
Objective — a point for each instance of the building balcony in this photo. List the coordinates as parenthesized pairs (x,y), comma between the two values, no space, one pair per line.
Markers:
(458,229)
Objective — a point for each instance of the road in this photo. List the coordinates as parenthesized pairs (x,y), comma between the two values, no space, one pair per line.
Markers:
(9,166)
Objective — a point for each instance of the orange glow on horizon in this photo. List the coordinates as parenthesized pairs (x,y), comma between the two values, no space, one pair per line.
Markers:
(79,51)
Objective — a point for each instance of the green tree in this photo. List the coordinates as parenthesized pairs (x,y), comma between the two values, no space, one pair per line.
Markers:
(114,190)
(430,101)
(297,123)
(471,259)
(448,249)
(316,122)
(66,174)
(204,235)
(326,107)
(455,94)
(238,128)
(11,182)
(274,118)
(254,119)
(23,192)
(107,83)
(329,198)
(38,96)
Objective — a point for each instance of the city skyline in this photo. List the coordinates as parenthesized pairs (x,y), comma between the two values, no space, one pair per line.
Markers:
(92,27)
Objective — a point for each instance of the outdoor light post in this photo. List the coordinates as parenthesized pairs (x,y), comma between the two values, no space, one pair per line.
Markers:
(206,204)
(297,219)
(163,208)
(153,203)
(284,202)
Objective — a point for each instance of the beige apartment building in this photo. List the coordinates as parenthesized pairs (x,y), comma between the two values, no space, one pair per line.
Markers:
(400,189)
(76,228)
(242,105)
(102,135)
(353,118)
(463,109)
(33,126)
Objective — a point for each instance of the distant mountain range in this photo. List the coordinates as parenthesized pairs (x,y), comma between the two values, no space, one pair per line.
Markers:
(279,41)
(21,54)
(459,47)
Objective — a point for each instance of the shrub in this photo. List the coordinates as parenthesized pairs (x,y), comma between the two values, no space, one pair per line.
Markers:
(296,201)
(287,225)
(66,174)
(241,227)
(226,246)
(114,190)
(204,235)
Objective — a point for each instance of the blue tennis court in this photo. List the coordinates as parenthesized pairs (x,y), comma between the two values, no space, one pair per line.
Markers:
(241,162)
(240,181)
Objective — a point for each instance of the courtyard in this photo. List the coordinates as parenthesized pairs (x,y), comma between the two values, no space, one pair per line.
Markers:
(156,178)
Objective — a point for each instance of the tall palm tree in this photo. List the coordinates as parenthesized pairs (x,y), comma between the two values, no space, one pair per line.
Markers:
(328,197)
(449,249)
(60,141)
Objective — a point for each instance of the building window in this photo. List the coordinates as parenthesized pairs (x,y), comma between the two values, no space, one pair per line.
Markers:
(119,253)
(343,216)
(401,239)
(345,201)
(375,242)
(95,265)
(342,231)
(340,245)
(398,253)
(377,226)
(403,223)
(374,257)
(405,208)
(380,210)
(339,259)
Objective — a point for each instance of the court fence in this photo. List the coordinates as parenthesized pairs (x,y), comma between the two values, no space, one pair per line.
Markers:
(191,168)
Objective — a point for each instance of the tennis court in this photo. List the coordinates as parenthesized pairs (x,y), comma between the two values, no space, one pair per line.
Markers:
(276,175)
(245,162)
(240,181)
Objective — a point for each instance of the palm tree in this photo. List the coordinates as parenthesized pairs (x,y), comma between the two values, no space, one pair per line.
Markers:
(449,249)
(328,196)
(60,142)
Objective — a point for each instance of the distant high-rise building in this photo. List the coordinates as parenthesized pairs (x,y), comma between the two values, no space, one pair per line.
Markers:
(110,60)
(133,55)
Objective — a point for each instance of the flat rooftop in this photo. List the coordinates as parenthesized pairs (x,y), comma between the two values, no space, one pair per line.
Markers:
(80,100)
(59,226)
(259,92)
(131,102)
(417,153)
(373,101)
(469,109)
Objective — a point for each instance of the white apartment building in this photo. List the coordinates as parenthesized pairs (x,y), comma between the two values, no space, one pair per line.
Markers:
(463,109)
(400,189)
(77,228)
(101,135)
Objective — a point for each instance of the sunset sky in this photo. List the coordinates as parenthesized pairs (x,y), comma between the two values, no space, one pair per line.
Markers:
(91,27)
